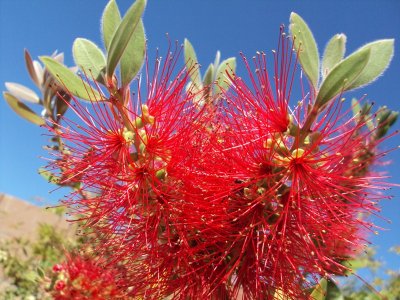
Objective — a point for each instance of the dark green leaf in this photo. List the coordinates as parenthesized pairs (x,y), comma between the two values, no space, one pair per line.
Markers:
(380,57)
(123,35)
(133,57)
(341,76)
(40,272)
(70,81)
(333,54)
(89,58)
(22,110)
(333,292)
(192,63)
(109,22)
(304,42)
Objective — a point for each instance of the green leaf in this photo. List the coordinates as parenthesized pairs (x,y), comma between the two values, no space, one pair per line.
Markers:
(109,22)
(304,42)
(333,54)
(319,291)
(333,292)
(123,35)
(22,110)
(133,57)
(40,272)
(227,66)
(70,81)
(209,75)
(192,64)
(89,58)
(341,76)
(380,57)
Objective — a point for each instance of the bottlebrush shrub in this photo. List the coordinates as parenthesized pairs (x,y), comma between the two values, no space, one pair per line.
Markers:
(215,188)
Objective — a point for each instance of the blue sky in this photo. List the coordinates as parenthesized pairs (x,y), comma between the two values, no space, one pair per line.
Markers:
(43,26)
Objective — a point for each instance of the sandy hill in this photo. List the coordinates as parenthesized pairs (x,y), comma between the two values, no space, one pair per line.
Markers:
(20,219)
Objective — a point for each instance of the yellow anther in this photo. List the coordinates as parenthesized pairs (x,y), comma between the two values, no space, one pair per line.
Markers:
(128,135)
(268,143)
(296,153)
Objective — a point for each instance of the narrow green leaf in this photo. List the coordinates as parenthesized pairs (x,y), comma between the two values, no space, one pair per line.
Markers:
(22,110)
(209,75)
(192,63)
(123,34)
(89,58)
(40,272)
(226,66)
(68,79)
(304,42)
(109,22)
(133,57)
(380,57)
(341,76)
(333,54)
(319,291)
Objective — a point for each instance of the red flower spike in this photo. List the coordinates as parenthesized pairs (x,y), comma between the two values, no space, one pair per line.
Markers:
(295,214)
(85,279)
(136,190)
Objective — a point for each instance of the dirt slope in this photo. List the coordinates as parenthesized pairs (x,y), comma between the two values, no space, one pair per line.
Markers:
(20,219)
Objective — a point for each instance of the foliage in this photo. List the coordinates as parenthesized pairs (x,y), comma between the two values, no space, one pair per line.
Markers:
(25,263)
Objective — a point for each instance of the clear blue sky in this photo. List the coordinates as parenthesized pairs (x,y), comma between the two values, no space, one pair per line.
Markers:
(43,26)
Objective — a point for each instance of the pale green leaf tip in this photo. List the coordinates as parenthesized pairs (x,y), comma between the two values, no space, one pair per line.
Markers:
(45,58)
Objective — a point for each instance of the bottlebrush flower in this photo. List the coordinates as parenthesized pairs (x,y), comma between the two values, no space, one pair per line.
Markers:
(295,214)
(80,278)
(131,159)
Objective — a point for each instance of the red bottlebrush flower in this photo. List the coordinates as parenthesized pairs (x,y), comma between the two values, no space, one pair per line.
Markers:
(60,285)
(295,213)
(83,278)
(57,268)
(136,190)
